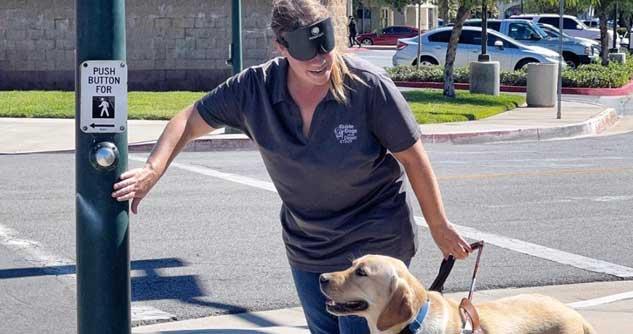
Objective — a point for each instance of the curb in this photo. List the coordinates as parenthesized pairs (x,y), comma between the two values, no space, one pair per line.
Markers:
(240,142)
(592,126)
(621,91)
(232,142)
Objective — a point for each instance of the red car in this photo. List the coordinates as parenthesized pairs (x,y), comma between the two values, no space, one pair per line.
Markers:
(388,35)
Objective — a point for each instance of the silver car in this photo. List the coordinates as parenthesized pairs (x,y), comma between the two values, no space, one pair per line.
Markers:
(511,54)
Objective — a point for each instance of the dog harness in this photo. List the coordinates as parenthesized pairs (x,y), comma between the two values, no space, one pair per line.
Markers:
(419,319)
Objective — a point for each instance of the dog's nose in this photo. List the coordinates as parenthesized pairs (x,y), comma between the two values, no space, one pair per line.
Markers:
(324,279)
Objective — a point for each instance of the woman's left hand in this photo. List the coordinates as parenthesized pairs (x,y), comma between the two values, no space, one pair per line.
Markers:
(449,241)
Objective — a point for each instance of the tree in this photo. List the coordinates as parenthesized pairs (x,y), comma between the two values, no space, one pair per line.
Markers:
(463,12)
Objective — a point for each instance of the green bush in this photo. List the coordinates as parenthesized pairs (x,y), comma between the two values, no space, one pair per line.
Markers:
(590,75)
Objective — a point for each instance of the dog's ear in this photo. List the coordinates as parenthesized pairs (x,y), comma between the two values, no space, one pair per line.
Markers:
(399,308)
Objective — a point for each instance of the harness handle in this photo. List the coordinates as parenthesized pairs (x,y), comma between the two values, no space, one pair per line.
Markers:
(447,266)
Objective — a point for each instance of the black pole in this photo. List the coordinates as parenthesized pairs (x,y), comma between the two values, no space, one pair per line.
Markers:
(236,22)
(483,57)
(615,29)
(102,234)
(521,6)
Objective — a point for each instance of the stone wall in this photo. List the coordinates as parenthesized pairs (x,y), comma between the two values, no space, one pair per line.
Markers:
(171,44)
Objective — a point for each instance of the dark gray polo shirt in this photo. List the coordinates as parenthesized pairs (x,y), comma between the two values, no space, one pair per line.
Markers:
(343,194)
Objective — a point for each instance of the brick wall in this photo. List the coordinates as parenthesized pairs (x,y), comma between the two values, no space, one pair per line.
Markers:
(171,44)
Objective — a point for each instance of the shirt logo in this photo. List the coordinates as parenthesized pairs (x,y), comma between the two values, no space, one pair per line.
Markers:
(345,133)
(316,30)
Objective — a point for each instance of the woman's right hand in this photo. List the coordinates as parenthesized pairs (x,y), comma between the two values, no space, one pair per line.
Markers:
(134,185)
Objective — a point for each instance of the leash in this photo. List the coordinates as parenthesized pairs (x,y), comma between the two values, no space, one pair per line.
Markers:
(466,309)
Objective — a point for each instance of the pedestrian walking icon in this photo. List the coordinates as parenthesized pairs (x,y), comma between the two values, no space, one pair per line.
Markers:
(103,107)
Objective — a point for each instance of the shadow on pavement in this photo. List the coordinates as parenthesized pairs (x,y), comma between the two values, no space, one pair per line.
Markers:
(152,286)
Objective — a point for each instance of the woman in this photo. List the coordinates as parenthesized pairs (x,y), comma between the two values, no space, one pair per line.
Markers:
(324,124)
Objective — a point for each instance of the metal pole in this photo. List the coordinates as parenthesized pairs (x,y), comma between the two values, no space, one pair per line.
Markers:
(560,62)
(236,20)
(236,46)
(484,57)
(615,29)
(102,234)
(521,6)
(419,33)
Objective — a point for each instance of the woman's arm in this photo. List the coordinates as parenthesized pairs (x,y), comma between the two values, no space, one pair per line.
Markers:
(182,128)
(424,183)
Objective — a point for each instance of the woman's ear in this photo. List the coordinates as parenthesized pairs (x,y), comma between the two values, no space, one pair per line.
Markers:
(280,48)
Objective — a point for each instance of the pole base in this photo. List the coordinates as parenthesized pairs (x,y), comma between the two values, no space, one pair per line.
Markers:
(483,57)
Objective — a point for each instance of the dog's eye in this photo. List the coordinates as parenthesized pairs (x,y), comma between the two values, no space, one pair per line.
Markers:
(360,271)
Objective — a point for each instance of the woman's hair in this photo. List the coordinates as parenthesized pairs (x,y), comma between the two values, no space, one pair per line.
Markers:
(289,15)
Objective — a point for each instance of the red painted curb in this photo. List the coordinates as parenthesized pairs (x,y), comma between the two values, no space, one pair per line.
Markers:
(624,90)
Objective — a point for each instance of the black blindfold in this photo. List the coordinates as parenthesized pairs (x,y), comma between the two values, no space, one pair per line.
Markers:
(306,42)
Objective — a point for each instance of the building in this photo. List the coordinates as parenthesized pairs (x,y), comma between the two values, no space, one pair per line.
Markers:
(171,44)
(376,17)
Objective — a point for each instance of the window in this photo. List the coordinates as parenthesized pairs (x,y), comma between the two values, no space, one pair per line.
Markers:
(387,30)
(401,30)
(521,31)
(470,37)
(550,20)
(495,25)
(570,24)
(441,37)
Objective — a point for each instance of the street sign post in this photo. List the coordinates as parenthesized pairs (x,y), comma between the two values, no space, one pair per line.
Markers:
(102,237)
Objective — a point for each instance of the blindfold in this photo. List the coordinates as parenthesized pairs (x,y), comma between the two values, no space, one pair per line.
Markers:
(306,42)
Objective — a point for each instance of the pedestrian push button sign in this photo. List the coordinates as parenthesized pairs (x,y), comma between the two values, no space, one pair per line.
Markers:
(103,96)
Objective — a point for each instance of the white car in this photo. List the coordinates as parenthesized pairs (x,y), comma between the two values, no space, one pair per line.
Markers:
(511,54)
(571,25)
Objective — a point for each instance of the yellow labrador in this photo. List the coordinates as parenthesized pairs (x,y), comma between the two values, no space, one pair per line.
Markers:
(382,290)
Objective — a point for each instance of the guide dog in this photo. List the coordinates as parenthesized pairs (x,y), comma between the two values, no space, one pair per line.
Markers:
(382,290)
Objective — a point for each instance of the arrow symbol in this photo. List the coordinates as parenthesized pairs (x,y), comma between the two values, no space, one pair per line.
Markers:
(93,125)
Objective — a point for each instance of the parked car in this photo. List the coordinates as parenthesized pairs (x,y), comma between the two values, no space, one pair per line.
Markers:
(575,52)
(511,54)
(554,33)
(571,25)
(593,23)
(387,36)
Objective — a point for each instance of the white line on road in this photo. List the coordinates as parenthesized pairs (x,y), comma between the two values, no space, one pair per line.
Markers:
(36,254)
(602,300)
(543,252)
(516,245)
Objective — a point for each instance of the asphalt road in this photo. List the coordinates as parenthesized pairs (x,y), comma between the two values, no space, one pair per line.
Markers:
(204,245)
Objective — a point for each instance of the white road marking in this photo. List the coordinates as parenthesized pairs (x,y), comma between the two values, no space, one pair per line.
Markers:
(221,175)
(601,300)
(64,269)
(516,245)
(543,252)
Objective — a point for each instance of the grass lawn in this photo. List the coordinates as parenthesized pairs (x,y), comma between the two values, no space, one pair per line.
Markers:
(57,104)
(429,106)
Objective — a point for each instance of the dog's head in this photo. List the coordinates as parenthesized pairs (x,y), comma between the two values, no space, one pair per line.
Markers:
(379,288)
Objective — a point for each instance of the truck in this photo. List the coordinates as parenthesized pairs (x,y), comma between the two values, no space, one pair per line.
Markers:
(576,51)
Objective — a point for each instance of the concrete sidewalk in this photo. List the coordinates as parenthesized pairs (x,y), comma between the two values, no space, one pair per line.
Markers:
(610,315)
(20,135)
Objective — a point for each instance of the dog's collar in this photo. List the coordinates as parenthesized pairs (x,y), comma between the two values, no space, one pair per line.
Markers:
(413,327)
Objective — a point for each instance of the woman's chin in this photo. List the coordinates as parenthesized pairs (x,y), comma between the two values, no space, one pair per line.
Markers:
(320,78)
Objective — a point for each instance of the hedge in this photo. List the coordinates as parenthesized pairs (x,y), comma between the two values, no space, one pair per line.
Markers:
(590,75)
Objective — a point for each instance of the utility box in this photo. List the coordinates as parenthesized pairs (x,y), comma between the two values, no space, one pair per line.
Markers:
(485,78)
(542,84)
(617,57)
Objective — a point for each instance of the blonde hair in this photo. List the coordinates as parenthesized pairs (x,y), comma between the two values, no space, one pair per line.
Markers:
(288,15)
